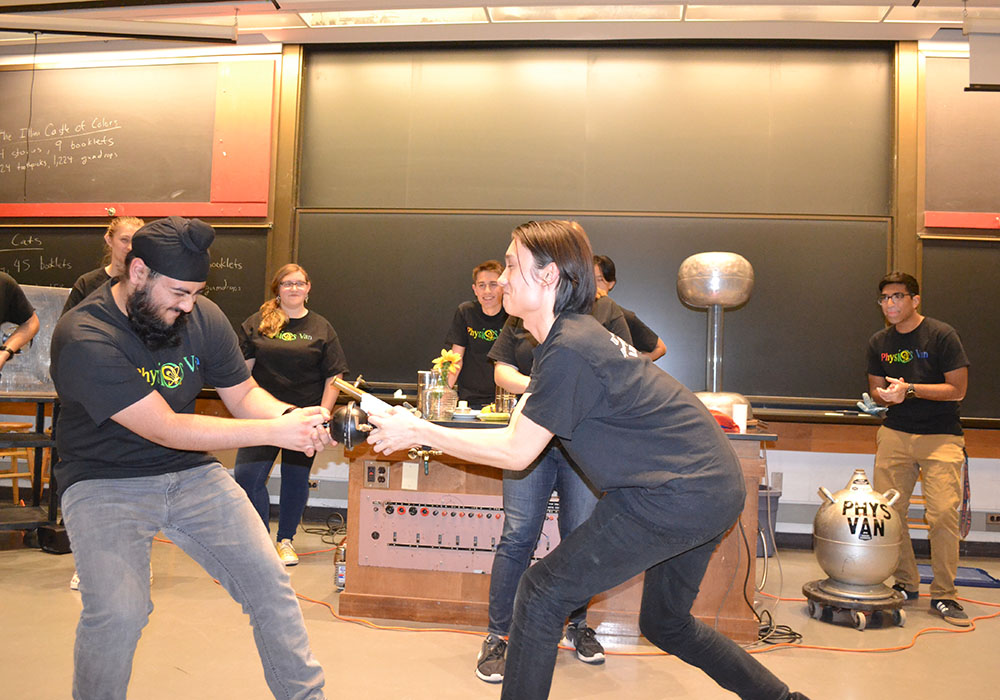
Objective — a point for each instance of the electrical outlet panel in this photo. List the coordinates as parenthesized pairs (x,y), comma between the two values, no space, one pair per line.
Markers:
(376,474)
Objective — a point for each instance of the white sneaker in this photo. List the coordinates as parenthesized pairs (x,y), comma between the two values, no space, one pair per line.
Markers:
(286,552)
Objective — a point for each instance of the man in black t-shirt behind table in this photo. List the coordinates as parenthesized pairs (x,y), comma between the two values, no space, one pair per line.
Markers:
(474,328)
(918,368)
(15,308)
(128,363)
(644,338)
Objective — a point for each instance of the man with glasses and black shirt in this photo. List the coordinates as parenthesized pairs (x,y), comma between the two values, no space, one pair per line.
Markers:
(474,328)
(918,368)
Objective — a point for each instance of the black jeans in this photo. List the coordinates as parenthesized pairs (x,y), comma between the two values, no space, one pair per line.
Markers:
(671,536)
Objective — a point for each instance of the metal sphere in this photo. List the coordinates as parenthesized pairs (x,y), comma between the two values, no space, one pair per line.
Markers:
(857,533)
(348,425)
(709,279)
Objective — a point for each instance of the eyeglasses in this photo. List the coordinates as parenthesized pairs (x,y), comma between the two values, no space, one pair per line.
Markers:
(293,284)
(895,296)
(483,286)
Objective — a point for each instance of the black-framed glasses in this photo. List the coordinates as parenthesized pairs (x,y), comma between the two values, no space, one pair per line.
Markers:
(293,284)
(895,296)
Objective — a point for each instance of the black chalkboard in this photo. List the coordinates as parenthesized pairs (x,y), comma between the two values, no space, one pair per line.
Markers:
(54,256)
(389,283)
(959,286)
(125,133)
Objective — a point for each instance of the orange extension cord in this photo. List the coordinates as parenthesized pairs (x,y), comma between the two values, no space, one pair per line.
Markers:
(657,652)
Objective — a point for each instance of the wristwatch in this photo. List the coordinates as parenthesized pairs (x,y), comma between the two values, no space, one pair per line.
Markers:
(911,393)
(9,352)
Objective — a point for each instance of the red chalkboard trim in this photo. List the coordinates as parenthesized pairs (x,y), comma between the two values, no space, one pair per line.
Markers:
(961,219)
(100,209)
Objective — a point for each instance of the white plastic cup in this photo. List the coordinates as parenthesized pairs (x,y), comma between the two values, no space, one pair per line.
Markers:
(740,416)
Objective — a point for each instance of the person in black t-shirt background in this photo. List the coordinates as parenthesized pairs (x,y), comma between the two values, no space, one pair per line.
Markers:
(673,484)
(294,354)
(918,368)
(474,328)
(526,497)
(117,244)
(15,308)
(643,337)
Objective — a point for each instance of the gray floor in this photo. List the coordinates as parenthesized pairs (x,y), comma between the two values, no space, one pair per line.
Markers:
(199,645)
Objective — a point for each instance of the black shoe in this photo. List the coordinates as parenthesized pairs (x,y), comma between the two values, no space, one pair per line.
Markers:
(910,595)
(584,639)
(951,611)
(492,659)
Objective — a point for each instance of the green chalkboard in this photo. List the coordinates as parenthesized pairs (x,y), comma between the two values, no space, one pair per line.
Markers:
(124,134)
(389,283)
(54,256)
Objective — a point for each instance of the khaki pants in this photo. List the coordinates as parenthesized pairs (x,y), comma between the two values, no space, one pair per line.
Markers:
(938,459)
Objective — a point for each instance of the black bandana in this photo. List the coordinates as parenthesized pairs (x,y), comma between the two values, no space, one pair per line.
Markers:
(175,247)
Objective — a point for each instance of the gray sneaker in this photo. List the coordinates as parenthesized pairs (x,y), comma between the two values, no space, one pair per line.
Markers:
(910,595)
(584,639)
(951,611)
(492,659)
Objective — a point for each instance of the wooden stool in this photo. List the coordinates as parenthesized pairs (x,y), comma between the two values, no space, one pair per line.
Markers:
(15,454)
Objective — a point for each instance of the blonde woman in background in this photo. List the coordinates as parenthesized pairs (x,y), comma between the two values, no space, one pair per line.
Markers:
(117,244)
(293,353)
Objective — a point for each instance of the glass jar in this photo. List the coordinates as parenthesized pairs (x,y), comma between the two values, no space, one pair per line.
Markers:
(440,399)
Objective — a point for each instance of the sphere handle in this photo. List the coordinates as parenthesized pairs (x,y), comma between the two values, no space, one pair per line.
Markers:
(825,493)
(892,495)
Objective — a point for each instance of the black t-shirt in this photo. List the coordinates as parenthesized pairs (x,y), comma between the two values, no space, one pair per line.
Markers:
(643,337)
(611,316)
(100,366)
(14,306)
(623,420)
(295,364)
(476,332)
(921,356)
(516,346)
(85,285)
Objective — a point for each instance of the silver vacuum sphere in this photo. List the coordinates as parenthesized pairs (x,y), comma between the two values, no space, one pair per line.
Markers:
(710,279)
(857,533)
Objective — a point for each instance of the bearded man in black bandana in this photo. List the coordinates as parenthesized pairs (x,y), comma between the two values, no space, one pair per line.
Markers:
(128,363)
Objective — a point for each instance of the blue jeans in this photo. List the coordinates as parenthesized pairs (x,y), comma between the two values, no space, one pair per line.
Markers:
(671,537)
(525,503)
(111,524)
(253,467)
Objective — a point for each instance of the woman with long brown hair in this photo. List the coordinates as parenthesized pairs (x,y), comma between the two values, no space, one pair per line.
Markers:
(293,353)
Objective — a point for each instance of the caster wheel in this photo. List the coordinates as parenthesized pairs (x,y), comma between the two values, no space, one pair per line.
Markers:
(860,621)
(826,614)
(812,609)
(899,617)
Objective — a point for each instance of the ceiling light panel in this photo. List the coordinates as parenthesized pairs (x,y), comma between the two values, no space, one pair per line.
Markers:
(785,13)
(441,15)
(588,13)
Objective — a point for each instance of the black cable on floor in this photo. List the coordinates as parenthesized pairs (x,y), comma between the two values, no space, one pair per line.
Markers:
(333,532)
(770,633)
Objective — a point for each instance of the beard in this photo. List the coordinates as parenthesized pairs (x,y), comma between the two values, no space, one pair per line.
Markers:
(144,318)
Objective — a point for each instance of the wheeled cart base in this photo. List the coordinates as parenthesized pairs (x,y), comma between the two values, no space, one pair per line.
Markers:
(863,602)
